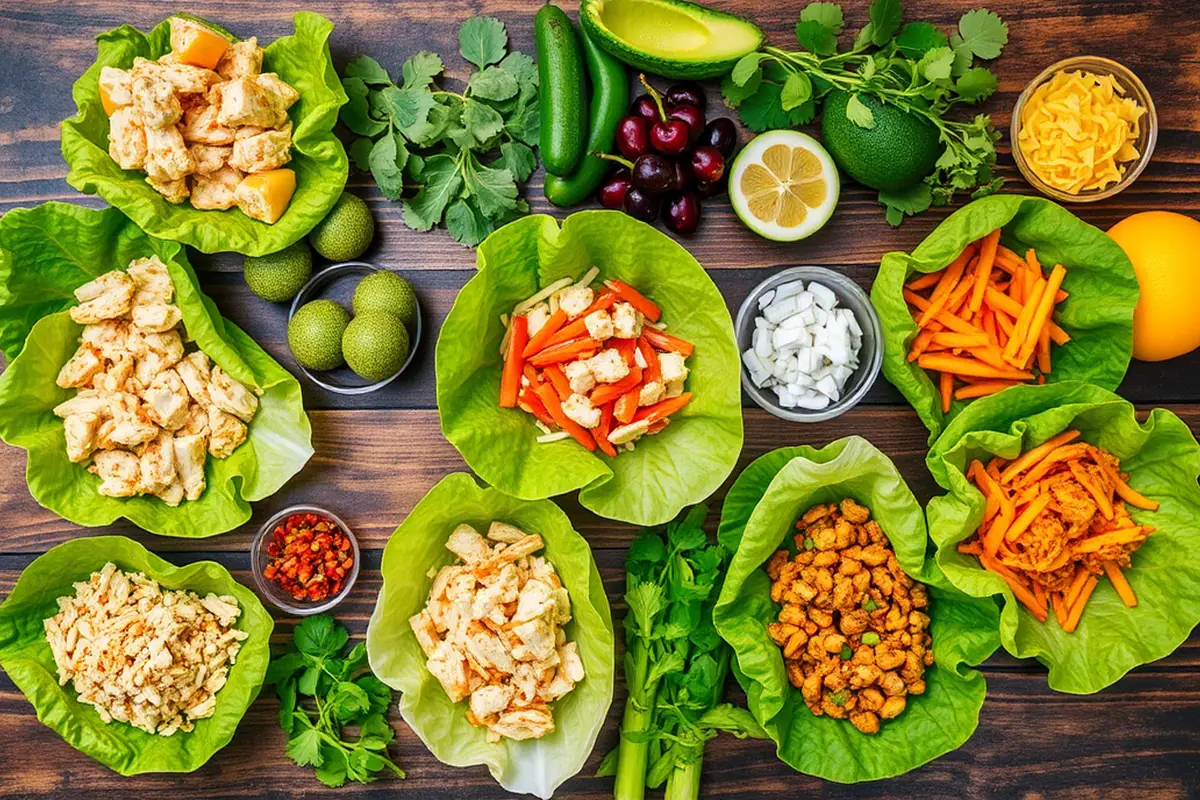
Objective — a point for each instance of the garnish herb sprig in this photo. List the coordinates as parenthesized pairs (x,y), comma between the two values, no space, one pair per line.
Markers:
(914,67)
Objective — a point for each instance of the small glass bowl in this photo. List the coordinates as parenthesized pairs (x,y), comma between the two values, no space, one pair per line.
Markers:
(1145,143)
(271,590)
(870,358)
(337,283)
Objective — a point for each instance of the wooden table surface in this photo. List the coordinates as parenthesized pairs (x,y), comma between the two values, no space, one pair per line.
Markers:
(377,455)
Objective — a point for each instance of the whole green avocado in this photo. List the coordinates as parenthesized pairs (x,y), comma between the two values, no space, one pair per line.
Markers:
(897,152)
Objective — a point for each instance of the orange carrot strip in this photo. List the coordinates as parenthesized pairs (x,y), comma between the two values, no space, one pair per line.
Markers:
(949,320)
(1102,498)
(999,301)
(941,292)
(946,389)
(987,257)
(1031,457)
(952,339)
(971,548)
(625,347)
(1039,592)
(990,356)
(1120,584)
(652,371)
(1060,610)
(1041,314)
(536,407)
(539,340)
(982,389)
(514,362)
(1018,589)
(921,343)
(663,409)
(1022,327)
(1127,492)
(665,341)
(568,351)
(601,431)
(630,295)
(1055,457)
(989,327)
(1027,517)
(995,534)
(568,332)
(558,379)
(550,400)
(925,281)
(626,407)
(610,392)
(1094,544)
(971,366)
(1043,350)
(1081,576)
(1008,260)
(1080,602)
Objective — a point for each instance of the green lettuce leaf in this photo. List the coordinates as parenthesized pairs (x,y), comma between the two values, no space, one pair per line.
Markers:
(26,656)
(757,518)
(535,766)
(679,467)
(318,158)
(1163,462)
(45,253)
(1098,314)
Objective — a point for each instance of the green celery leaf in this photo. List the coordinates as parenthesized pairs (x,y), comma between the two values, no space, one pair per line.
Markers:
(731,719)
(608,765)
(482,41)
(936,64)
(493,83)
(387,160)
(521,67)
(405,107)
(918,38)
(745,68)
(356,115)
(420,70)
(284,667)
(378,693)
(828,14)
(367,70)
(865,37)
(332,771)
(319,636)
(648,547)
(983,33)
(816,37)
(286,691)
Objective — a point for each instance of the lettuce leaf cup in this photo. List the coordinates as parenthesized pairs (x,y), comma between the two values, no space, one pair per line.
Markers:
(1098,314)
(1163,462)
(45,253)
(679,467)
(26,657)
(534,766)
(758,518)
(318,158)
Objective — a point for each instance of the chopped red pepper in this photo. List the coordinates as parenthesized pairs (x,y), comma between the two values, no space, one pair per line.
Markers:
(310,557)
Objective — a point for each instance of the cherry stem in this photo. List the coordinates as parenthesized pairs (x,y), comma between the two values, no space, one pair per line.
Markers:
(610,157)
(654,95)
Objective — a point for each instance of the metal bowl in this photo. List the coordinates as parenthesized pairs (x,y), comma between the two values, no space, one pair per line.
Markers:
(271,590)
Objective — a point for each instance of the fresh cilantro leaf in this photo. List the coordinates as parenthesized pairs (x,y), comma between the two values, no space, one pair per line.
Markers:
(442,182)
(284,667)
(763,110)
(518,159)
(378,693)
(983,33)
(375,733)
(467,224)
(332,771)
(646,601)
(962,55)
(493,190)
(420,70)
(935,65)
(686,537)
(482,40)
(816,37)
(886,16)
(387,164)
(910,201)
(858,113)
(367,70)
(356,115)
(976,84)
(481,120)
(286,692)
(797,90)
(521,67)
(525,124)
(360,153)
(405,107)
(427,132)
(309,680)
(305,748)
(361,763)
(918,38)
(348,700)
(320,636)
(745,68)
(734,94)
(828,14)
(493,84)
(647,547)
(865,38)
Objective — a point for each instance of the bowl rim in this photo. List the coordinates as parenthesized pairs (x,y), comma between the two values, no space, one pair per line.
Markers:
(841,285)
(1132,83)
(310,287)
(268,589)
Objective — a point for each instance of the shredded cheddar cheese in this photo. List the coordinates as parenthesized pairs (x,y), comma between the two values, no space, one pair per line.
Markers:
(1078,131)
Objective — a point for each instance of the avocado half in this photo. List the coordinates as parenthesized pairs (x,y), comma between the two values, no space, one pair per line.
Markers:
(672,38)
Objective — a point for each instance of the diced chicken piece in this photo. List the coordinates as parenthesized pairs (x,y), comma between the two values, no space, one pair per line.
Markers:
(672,367)
(152,280)
(110,337)
(270,149)
(106,297)
(156,317)
(157,464)
(231,395)
(188,79)
(246,131)
(580,377)
(466,543)
(448,665)
(172,494)
(488,650)
(490,700)
(628,433)
(426,631)
(168,344)
(174,192)
(119,471)
(249,101)
(167,400)
(195,371)
(147,367)
(216,191)
(536,598)
(86,401)
(196,422)
(525,723)
(116,377)
(167,157)
(651,393)
(286,96)
(225,432)
(538,316)
(80,431)
(562,605)
(131,425)
(627,321)
(210,158)
(189,464)
(674,389)
(241,59)
(537,636)
(155,102)
(127,138)
(570,663)
(194,43)
(574,300)
(200,125)
(80,369)
(525,547)
(503,532)
(117,86)
(608,366)
(599,325)
(580,409)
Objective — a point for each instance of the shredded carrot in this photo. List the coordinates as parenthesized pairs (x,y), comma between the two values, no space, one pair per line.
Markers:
(1080,602)
(630,295)
(1127,492)
(1094,544)
(925,281)
(1060,610)
(610,392)
(982,389)
(946,389)
(626,406)
(983,272)
(1081,576)
(1026,517)
(536,407)
(1103,499)
(1041,314)
(514,362)
(970,366)
(569,351)
(601,431)
(1119,582)
(652,371)
(558,379)
(665,341)
(1031,457)
(663,409)
(539,340)
(567,332)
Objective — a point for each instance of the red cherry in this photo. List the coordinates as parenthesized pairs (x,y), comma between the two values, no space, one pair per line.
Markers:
(670,137)
(708,165)
(633,136)
(694,118)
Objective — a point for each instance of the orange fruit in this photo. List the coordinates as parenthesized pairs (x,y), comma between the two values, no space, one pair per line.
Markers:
(1164,248)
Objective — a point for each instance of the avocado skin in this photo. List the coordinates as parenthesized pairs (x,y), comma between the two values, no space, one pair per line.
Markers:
(899,151)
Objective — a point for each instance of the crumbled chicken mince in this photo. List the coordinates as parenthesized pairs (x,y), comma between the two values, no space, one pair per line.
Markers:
(146,415)
(492,631)
(143,655)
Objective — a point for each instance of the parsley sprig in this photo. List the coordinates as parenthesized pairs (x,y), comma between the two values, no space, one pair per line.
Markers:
(461,153)
(322,693)
(914,67)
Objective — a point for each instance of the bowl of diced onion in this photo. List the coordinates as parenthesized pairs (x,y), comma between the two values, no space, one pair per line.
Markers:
(811,344)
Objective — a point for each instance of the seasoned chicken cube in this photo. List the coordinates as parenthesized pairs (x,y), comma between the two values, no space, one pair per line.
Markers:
(127,138)
(574,300)
(196,422)
(225,432)
(535,600)
(490,700)
(155,102)
(110,337)
(487,649)
(106,297)
(448,665)
(195,372)
(285,96)
(426,631)
(580,409)
(189,464)
(116,377)
(466,543)
(503,532)
(156,317)
(157,464)
(570,664)
(524,723)
(117,85)
(86,401)
(672,367)
(119,471)
(241,59)
(525,547)
(82,367)
(599,325)
(608,366)
(229,394)
(651,393)
(674,389)
(152,280)
(628,433)
(172,494)
(131,424)
(167,157)
(167,400)
(580,377)
(270,149)
(174,192)
(200,125)
(168,344)
(216,191)
(249,101)
(188,79)
(627,321)
(538,316)
(209,158)
(80,431)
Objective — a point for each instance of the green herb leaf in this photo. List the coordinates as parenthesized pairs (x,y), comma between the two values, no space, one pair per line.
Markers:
(481,120)
(525,122)
(378,693)
(828,14)
(332,771)
(367,70)
(405,107)
(518,159)
(865,38)
(763,110)
(375,733)
(420,70)
(482,41)
(886,16)
(608,765)
(360,153)
(283,668)
(745,68)
(319,636)
(935,65)
(467,224)
(983,33)
(816,37)
(731,719)
(918,38)
(286,692)
(387,160)
(348,700)
(493,190)
(521,67)
(797,90)
(734,94)
(442,182)
(494,83)
(975,85)
(305,748)
(356,115)
(910,201)
(858,113)
(962,55)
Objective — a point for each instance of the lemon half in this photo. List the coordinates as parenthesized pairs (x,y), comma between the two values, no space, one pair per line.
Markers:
(784,185)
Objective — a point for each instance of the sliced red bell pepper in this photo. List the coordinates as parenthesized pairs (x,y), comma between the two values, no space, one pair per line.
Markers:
(601,431)
(558,379)
(510,379)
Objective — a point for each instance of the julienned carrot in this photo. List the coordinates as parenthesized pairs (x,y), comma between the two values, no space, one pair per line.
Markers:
(1027,516)
(1102,498)
(568,351)
(572,330)
(550,400)
(922,343)
(1021,592)
(601,431)
(663,409)
(1080,602)
(983,272)
(999,301)
(626,348)
(982,389)
(952,339)
(945,287)
(950,321)
(1094,544)
(970,366)
(925,281)
(946,390)
(1072,593)
(995,534)
(610,392)
(536,407)
(1031,457)
(1023,322)
(1060,609)
(630,295)
(558,379)
(551,327)
(514,361)
(652,371)
(1127,492)
(665,341)
(1042,314)
(1124,590)
(626,407)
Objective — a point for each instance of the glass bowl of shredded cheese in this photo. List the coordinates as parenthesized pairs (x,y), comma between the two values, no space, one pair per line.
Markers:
(1083,129)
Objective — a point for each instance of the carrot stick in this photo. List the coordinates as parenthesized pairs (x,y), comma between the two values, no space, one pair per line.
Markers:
(626,407)
(610,392)
(1031,457)
(952,339)
(971,548)
(566,352)
(1080,602)
(999,301)
(665,341)
(1039,593)
(1008,260)
(970,366)
(663,409)
(949,320)
(1022,327)
(601,431)
(625,292)
(652,372)
(536,407)
(1054,457)
(1043,350)
(946,389)
(1081,576)
(514,362)
(1102,498)
(1023,594)
(996,533)
(921,343)
(987,257)
(625,347)
(990,356)
(982,389)
(925,281)
(1060,610)
(941,292)
(558,379)
(1027,517)
(1127,492)
(989,327)
(1120,584)
(1042,313)
(550,400)
(568,332)
(1094,544)
(538,341)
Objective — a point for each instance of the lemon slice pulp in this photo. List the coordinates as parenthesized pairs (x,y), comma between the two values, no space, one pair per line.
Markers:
(784,185)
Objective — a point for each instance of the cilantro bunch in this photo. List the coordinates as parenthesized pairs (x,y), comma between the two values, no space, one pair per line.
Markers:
(322,693)
(675,663)
(462,153)
(914,67)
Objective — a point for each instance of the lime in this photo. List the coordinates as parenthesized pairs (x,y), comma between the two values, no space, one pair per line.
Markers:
(898,151)
(387,292)
(315,334)
(375,344)
(278,276)
(346,232)
(784,185)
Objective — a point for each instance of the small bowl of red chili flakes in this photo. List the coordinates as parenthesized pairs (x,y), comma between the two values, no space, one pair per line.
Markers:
(305,560)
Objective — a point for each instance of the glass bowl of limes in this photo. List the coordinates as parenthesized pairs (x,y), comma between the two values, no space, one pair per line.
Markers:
(354,327)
